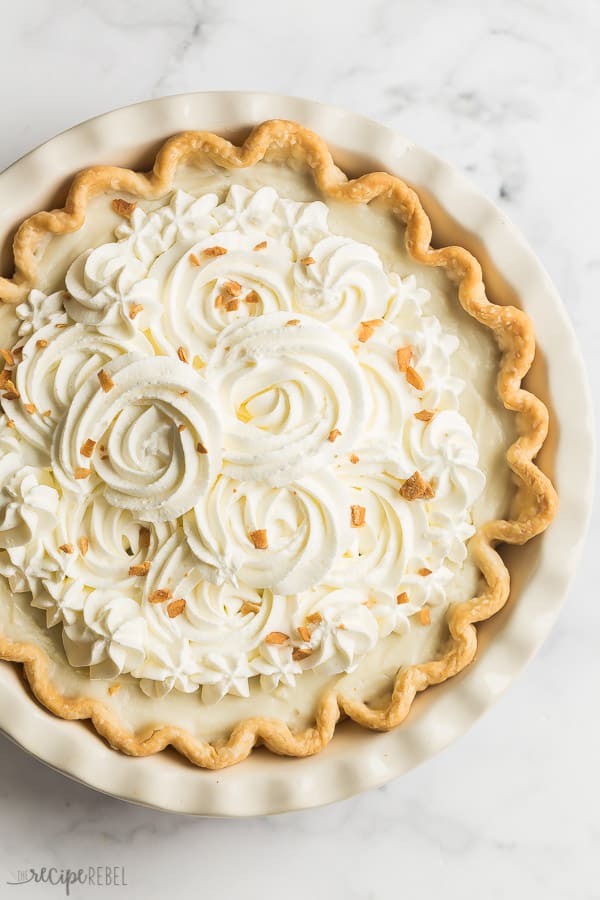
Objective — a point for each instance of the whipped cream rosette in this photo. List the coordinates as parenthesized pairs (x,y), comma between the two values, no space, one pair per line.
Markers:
(204,290)
(159,429)
(284,385)
(306,533)
(342,283)
(55,364)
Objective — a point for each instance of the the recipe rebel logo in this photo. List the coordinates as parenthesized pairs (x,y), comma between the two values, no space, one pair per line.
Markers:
(91,876)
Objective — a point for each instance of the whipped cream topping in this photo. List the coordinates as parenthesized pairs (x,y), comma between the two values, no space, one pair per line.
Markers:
(232,450)
(283,385)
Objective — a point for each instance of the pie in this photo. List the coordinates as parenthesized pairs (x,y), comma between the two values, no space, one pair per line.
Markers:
(259,445)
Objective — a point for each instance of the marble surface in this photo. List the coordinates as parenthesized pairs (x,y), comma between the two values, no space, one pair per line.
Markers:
(508,93)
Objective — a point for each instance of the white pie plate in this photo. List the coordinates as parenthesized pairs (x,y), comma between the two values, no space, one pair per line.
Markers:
(356,759)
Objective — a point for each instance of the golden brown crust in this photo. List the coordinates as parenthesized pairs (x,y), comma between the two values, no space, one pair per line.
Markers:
(514,334)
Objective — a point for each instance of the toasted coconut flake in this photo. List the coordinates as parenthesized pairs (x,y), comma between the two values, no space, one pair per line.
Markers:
(425,616)
(160,595)
(62,324)
(252,297)
(403,357)
(357,516)
(334,434)
(81,472)
(232,304)
(194,260)
(201,448)
(354,458)
(304,633)
(106,382)
(144,537)
(300,653)
(416,488)
(87,448)
(314,618)
(47,413)
(11,395)
(183,354)
(307,261)
(175,608)
(10,423)
(123,207)
(425,415)
(30,408)
(214,251)
(259,538)
(424,571)
(4,377)
(113,689)
(83,545)
(66,548)
(183,393)
(402,598)
(7,357)
(277,637)
(41,343)
(261,246)
(140,569)
(293,322)
(248,606)
(135,310)
(365,331)
(233,288)
(414,379)
(181,427)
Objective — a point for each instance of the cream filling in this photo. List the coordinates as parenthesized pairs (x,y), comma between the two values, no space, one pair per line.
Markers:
(475,362)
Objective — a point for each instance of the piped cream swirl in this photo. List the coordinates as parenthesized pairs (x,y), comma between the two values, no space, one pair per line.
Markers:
(155,433)
(203,293)
(284,384)
(304,531)
(56,364)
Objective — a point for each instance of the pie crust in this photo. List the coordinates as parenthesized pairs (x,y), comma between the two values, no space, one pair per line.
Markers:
(535,499)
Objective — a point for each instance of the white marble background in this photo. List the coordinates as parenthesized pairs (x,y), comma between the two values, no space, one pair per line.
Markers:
(510,93)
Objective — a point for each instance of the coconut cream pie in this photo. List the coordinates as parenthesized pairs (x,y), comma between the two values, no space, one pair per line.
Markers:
(258,447)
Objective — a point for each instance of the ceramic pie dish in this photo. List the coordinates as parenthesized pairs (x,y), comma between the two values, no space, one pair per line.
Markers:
(306,505)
